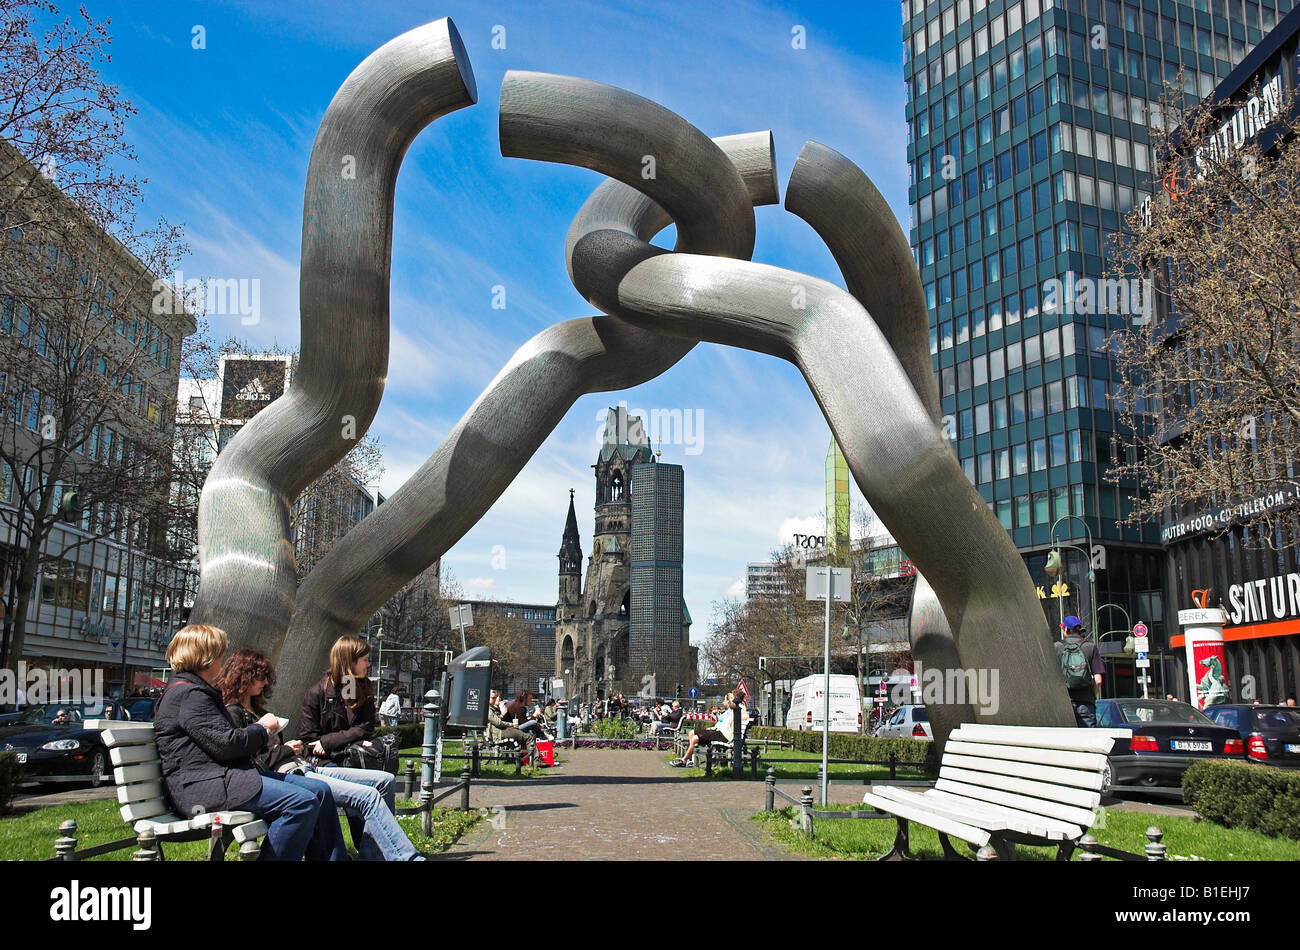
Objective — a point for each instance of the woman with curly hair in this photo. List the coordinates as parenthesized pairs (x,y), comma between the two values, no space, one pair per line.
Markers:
(365,795)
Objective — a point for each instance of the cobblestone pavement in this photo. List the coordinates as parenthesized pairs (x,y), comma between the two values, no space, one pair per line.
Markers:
(614,804)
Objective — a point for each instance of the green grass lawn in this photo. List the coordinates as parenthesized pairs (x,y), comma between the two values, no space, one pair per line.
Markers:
(30,836)
(1185,838)
(488,768)
(805,768)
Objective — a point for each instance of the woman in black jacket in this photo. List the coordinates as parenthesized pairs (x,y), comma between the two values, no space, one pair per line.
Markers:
(207,762)
(340,709)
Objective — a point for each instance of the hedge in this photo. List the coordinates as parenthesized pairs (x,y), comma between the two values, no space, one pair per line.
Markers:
(408,734)
(1245,795)
(10,772)
(858,748)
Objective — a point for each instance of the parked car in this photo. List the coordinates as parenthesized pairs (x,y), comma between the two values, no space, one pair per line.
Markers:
(141,708)
(1166,736)
(1271,733)
(908,721)
(54,745)
(808,704)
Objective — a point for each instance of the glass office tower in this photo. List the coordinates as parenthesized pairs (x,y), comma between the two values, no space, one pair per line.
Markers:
(1027,143)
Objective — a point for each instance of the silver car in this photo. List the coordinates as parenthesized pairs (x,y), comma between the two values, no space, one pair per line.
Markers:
(910,721)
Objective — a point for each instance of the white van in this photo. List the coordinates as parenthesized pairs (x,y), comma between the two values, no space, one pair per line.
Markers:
(808,704)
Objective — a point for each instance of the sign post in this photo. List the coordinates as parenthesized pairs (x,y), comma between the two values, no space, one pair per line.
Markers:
(1141,646)
(462,616)
(830,584)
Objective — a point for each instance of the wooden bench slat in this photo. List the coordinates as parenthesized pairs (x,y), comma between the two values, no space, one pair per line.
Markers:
(138,810)
(141,772)
(1052,793)
(117,724)
(1062,757)
(956,809)
(1042,737)
(1059,810)
(162,825)
(976,836)
(1076,778)
(1051,828)
(118,736)
(139,792)
(131,754)
(249,830)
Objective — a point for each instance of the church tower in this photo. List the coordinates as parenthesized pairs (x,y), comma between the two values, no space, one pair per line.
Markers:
(570,567)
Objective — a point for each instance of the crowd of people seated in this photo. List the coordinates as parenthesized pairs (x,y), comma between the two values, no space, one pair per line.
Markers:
(221,749)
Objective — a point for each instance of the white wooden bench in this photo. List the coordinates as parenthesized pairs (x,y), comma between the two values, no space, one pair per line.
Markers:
(137,771)
(1006,785)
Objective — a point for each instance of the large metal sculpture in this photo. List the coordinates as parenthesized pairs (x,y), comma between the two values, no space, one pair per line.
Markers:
(863,352)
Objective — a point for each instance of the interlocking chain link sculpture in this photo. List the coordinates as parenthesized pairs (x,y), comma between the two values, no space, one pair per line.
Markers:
(864,354)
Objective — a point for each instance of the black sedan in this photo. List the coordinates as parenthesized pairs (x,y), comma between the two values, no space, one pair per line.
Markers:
(1271,733)
(1167,737)
(54,745)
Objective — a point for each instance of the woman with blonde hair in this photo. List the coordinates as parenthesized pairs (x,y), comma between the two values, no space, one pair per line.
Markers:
(207,761)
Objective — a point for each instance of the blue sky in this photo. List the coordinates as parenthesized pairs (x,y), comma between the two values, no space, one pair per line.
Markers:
(224,134)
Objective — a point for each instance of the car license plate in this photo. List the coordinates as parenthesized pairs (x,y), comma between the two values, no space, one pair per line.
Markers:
(1191,745)
(21,757)
(1290,747)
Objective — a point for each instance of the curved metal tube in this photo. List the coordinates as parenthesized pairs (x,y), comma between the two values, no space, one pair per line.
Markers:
(519,409)
(850,215)
(248,579)
(898,457)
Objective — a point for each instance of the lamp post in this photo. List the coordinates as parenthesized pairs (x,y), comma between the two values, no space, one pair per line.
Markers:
(1092,577)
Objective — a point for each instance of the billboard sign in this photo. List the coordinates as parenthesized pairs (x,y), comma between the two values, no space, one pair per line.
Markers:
(250,384)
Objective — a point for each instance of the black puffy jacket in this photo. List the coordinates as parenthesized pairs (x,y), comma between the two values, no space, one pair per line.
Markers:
(207,761)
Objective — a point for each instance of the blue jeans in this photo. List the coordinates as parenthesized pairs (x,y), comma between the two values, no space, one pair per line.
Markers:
(327,838)
(292,813)
(369,797)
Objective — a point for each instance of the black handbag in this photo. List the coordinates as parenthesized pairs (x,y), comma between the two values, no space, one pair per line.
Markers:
(381,755)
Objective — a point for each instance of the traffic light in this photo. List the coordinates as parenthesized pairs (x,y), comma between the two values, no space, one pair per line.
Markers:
(679,690)
(762,663)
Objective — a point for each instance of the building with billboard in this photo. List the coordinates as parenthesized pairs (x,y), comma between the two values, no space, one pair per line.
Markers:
(1254,577)
(1027,142)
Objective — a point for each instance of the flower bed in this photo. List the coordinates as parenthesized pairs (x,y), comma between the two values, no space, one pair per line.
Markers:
(587,742)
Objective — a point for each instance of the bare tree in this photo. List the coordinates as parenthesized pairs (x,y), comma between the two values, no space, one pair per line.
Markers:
(1220,365)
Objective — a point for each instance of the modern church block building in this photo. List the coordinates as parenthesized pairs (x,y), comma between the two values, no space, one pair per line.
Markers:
(1027,143)
(626,628)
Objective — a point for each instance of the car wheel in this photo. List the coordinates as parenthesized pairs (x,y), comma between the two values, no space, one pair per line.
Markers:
(97,764)
(1107,778)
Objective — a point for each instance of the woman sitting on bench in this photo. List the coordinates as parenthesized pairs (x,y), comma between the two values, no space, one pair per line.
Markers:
(245,684)
(499,730)
(725,731)
(207,761)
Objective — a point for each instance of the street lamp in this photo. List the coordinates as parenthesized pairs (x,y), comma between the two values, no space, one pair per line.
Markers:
(1055,566)
(380,637)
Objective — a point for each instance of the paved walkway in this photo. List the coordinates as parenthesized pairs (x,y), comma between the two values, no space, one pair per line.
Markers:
(613,804)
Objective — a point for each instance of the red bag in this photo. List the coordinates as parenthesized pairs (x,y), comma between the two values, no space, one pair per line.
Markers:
(546,752)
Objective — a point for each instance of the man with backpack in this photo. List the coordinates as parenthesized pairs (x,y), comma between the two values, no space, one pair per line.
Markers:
(1082,669)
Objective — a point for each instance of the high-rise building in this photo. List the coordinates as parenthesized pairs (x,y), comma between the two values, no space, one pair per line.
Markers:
(660,624)
(1027,144)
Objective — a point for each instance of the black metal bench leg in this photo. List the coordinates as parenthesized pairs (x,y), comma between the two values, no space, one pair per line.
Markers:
(1006,850)
(217,846)
(899,852)
(1065,850)
(949,852)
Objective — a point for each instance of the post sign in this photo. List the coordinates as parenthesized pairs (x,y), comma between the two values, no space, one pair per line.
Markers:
(1139,630)
(693,693)
(816,582)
